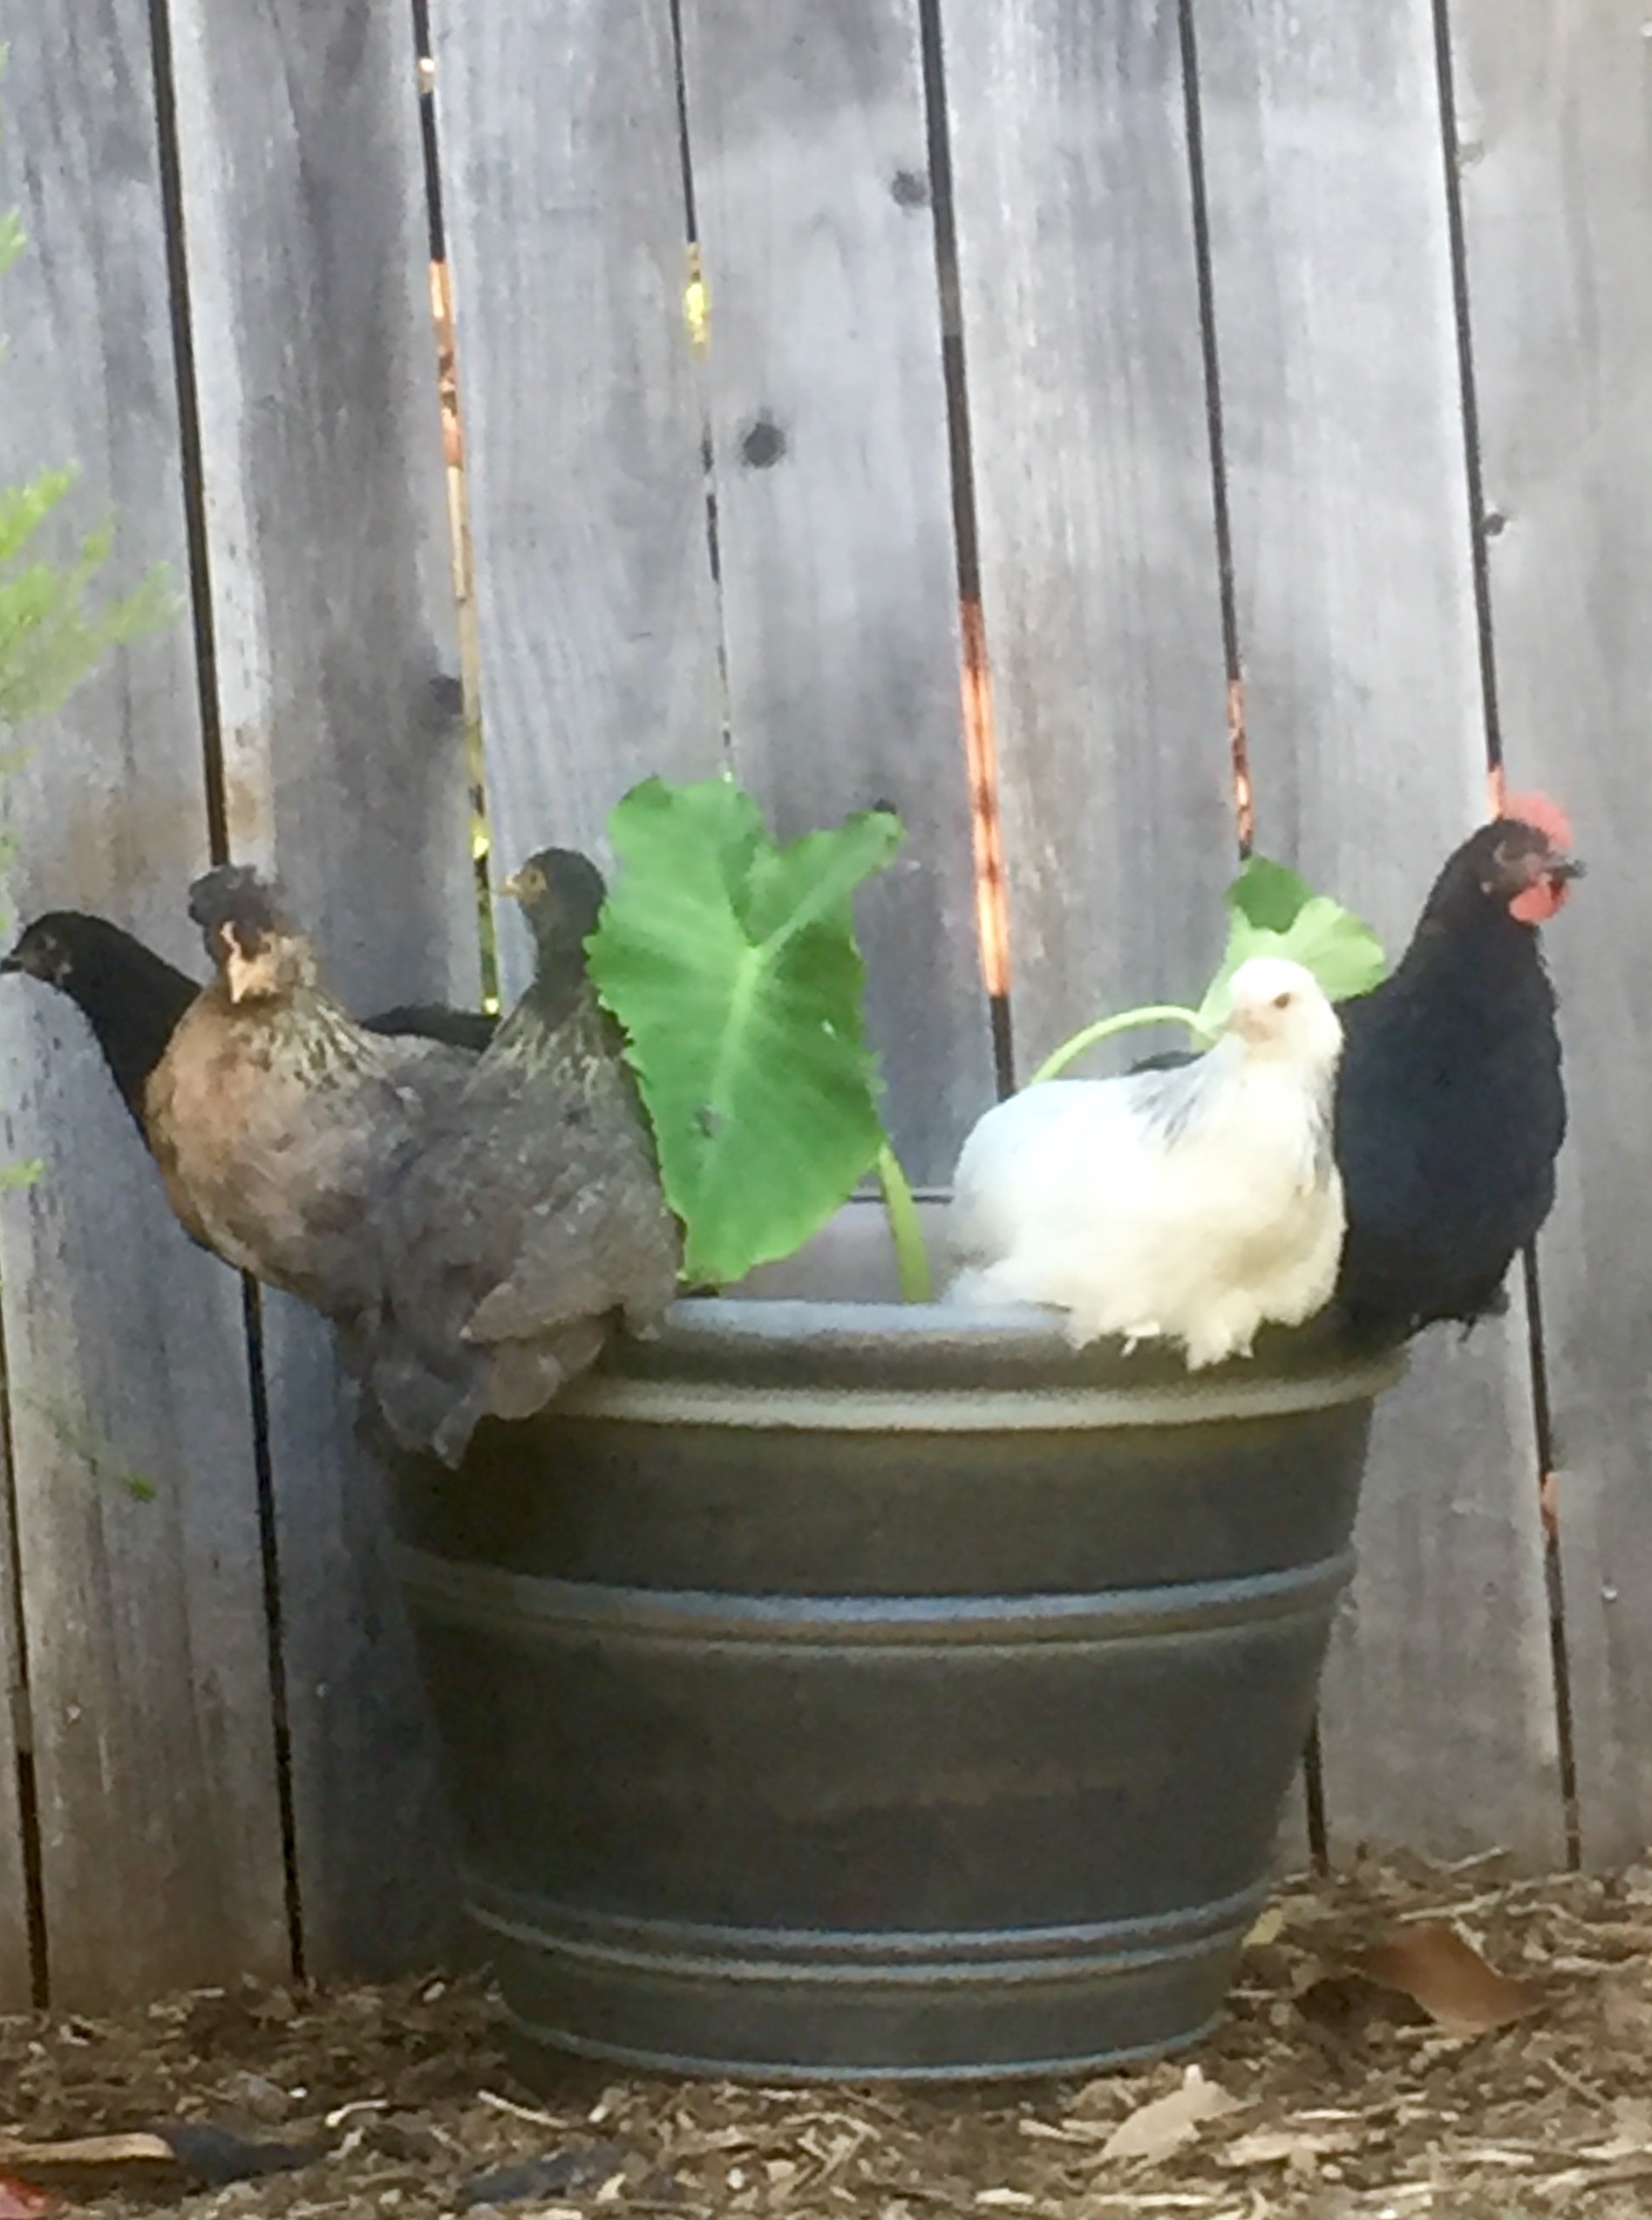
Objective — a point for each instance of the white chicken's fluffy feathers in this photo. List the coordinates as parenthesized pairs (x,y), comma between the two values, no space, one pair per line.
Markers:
(1192,1205)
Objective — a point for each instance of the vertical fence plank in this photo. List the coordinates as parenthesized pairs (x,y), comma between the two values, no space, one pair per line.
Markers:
(807,139)
(151,1708)
(15,1979)
(1099,571)
(374,1841)
(1557,192)
(1293,1847)
(321,466)
(155,1757)
(1444,1647)
(583,429)
(304,214)
(1346,478)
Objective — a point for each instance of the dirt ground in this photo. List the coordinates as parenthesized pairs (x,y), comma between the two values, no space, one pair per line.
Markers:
(1326,2094)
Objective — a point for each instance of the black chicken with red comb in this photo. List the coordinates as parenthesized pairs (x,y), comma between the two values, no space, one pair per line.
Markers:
(1450,1107)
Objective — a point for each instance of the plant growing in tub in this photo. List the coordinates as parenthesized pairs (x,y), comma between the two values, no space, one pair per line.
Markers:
(731,964)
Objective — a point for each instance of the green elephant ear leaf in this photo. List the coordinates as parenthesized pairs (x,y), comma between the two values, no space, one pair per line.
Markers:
(1269,894)
(1272,912)
(733,966)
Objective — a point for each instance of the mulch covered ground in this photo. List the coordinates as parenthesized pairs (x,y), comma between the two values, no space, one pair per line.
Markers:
(1330,2091)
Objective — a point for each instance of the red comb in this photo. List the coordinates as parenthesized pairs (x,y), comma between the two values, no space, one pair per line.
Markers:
(1543,816)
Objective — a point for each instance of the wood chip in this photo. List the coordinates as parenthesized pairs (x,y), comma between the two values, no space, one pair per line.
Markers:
(1160,2201)
(89,2150)
(518,2111)
(1283,2147)
(1269,1927)
(1089,2131)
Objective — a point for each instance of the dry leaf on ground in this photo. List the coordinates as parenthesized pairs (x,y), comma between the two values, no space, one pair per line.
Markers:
(1154,2130)
(1432,1964)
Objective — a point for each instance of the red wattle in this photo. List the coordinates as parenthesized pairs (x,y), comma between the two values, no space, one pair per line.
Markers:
(1539,903)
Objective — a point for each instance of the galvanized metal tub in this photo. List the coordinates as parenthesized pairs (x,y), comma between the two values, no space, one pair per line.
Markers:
(852,1689)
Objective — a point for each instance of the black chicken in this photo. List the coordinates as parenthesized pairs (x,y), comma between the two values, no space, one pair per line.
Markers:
(130,996)
(132,999)
(271,1113)
(530,1221)
(1450,1107)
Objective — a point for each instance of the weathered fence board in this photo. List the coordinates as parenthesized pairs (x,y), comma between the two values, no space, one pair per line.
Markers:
(375,1853)
(16,1980)
(161,1847)
(1444,1644)
(1091,469)
(1346,477)
(807,140)
(1557,191)
(1293,1847)
(584,431)
(161,1839)
(304,216)
(321,466)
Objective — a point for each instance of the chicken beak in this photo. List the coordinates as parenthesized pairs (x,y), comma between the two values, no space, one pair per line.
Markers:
(1568,866)
(513,886)
(244,971)
(237,976)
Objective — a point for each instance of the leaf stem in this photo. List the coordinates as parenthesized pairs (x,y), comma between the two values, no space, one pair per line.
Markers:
(1151,1013)
(911,1259)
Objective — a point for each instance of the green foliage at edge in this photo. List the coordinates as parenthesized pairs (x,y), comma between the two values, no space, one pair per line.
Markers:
(50,636)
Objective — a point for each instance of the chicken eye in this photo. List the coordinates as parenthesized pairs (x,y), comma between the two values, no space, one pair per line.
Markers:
(1283,1001)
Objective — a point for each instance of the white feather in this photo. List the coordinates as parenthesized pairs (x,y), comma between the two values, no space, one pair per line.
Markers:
(1194,1205)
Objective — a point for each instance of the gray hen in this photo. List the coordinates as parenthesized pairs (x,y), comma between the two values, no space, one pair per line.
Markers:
(272,1115)
(531,1221)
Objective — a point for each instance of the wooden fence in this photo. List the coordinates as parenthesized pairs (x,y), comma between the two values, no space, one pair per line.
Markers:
(1297,372)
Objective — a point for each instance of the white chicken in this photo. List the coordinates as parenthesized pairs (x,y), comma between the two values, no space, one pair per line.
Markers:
(1192,1205)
